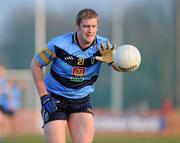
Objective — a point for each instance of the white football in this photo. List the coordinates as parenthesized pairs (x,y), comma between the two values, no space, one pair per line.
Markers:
(127,58)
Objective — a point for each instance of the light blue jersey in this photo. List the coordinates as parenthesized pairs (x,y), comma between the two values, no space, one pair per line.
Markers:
(73,70)
(3,92)
(16,94)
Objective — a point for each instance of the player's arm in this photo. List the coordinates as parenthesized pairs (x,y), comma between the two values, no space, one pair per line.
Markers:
(41,59)
(37,72)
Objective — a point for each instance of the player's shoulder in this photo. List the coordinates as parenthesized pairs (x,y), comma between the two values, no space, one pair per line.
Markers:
(101,39)
(62,39)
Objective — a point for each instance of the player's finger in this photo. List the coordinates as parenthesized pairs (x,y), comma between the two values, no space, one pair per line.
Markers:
(99,58)
(113,47)
(100,50)
(102,47)
(108,45)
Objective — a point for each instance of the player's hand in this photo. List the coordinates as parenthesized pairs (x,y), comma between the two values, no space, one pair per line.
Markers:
(48,103)
(106,53)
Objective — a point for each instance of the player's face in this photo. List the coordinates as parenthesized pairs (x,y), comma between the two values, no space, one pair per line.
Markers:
(87,30)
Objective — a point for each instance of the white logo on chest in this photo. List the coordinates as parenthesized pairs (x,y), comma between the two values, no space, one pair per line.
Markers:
(68,58)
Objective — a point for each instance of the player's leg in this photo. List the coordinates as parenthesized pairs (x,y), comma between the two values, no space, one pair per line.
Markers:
(81,127)
(55,131)
(1,125)
(55,125)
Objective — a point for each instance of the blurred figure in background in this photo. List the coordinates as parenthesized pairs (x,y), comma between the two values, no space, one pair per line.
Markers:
(167,106)
(3,96)
(9,104)
(167,112)
(13,104)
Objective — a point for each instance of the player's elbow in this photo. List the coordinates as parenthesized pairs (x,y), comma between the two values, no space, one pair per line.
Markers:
(35,64)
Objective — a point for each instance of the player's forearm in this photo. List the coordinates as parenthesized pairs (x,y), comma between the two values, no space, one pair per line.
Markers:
(38,77)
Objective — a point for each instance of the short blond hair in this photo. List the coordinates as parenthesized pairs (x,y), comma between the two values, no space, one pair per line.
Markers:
(86,13)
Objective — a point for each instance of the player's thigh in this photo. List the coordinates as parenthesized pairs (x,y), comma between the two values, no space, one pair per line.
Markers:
(55,131)
(81,126)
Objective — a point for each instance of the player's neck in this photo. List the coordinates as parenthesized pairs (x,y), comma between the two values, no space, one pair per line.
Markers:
(82,43)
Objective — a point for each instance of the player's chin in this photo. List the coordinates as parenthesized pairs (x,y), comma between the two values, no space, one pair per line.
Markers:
(90,39)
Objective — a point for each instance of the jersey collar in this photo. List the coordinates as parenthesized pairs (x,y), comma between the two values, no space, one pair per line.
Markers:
(75,40)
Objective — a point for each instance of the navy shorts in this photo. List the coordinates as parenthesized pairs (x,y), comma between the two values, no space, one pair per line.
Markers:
(1,108)
(67,106)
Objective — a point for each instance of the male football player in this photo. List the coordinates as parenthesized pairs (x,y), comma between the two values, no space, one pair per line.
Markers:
(65,92)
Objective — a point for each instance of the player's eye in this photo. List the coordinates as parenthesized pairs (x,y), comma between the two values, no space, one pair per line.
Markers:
(85,26)
(94,26)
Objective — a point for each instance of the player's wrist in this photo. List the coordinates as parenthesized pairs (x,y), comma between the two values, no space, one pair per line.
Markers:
(48,103)
(45,98)
(110,64)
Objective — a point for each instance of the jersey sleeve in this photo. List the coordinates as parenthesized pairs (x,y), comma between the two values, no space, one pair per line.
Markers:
(46,55)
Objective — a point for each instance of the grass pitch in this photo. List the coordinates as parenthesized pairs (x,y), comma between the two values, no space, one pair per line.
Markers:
(104,139)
